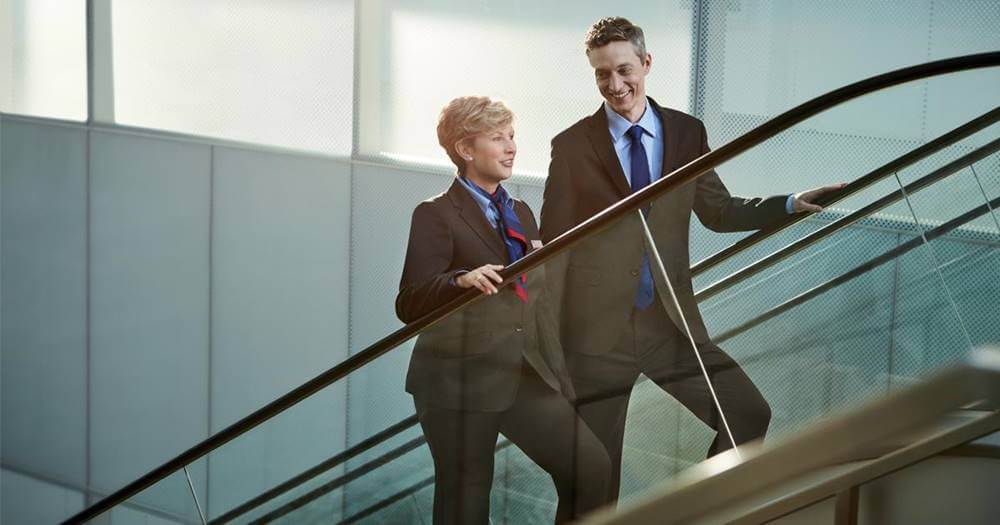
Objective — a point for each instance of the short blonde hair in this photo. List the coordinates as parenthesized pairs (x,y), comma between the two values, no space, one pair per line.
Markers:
(464,118)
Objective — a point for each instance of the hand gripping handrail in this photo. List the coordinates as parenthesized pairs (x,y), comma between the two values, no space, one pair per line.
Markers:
(674,180)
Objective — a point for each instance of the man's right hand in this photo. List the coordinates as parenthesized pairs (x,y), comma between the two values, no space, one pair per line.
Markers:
(482,278)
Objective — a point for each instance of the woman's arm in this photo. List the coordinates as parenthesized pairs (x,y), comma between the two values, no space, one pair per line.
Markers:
(427,280)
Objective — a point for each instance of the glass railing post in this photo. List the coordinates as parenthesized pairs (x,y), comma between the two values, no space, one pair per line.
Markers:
(986,198)
(194,496)
(662,280)
(934,261)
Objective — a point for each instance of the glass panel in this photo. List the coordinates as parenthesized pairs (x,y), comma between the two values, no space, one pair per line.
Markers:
(43,69)
(169,501)
(27,499)
(759,59)
(963,261)
(236,73)
(291,442)
(856,340)
(319,491)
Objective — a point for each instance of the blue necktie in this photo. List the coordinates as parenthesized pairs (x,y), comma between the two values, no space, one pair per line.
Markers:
(640,179)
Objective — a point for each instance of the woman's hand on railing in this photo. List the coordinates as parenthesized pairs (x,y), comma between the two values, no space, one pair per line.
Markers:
(482,278)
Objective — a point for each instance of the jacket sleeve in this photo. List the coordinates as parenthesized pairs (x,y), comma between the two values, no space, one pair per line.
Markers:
(427,274)
(558,200)
(719,211)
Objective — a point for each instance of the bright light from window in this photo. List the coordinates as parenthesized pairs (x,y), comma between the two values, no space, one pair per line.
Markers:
(277,73)
(43,58)
(529,56)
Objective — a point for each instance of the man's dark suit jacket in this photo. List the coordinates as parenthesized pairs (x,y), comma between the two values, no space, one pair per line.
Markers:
(598,279)
(472,360)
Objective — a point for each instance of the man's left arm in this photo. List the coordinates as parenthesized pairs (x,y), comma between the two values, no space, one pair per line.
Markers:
(720,211)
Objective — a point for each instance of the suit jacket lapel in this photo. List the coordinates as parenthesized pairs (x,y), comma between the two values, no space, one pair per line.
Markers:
(473,216)
(600,139)
(528,224)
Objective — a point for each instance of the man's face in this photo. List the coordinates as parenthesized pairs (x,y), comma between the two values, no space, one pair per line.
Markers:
(621,77)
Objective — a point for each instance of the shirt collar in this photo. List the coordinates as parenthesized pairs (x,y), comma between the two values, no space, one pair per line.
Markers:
(619,125)
(481,197)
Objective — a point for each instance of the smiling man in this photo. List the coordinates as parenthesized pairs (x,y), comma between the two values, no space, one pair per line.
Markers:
(613,321)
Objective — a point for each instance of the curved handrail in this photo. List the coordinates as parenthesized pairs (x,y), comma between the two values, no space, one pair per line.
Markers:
(845,221)
(908,158)
(677,178)
(808,295)
(979,123)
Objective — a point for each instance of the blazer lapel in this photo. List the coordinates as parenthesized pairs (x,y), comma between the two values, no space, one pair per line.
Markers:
(473,216)
(528,224)
(600,139)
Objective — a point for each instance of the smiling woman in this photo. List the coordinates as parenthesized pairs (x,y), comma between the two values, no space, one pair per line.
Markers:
(496,366)
(482,147)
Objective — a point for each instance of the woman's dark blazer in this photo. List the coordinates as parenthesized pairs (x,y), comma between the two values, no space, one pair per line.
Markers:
(473,359)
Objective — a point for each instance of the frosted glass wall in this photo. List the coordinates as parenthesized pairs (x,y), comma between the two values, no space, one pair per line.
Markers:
(255,71)
(761,58)
(529,54)
(43,58)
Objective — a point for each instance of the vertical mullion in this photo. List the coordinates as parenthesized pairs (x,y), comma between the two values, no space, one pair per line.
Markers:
(100,76)
(697,50)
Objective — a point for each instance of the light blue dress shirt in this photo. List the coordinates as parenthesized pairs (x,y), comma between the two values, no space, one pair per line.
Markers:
(485,204)
(652,140)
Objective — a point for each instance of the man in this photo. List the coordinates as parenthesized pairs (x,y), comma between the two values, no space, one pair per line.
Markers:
(612,316)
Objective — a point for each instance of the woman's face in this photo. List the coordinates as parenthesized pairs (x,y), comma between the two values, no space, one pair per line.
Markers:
(492,156)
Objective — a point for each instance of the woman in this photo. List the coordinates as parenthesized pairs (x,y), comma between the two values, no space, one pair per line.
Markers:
(494,366)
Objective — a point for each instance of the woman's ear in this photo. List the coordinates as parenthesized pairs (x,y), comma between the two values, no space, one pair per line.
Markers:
(464,149)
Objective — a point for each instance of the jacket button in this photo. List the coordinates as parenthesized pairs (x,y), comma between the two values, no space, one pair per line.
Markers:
(635,273)
(519,329)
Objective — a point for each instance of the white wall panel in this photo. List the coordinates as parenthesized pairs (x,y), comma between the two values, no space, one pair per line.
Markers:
(279,312)
(253,70)
(28,500)
(44,298)
(383,203)
(149,306)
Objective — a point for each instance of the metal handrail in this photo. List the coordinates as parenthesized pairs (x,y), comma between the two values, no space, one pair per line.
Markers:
(728,479)
(771,313)
(952,442)
(893,166)
(674,180)
(866,267)
(908,158)
(943,172)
